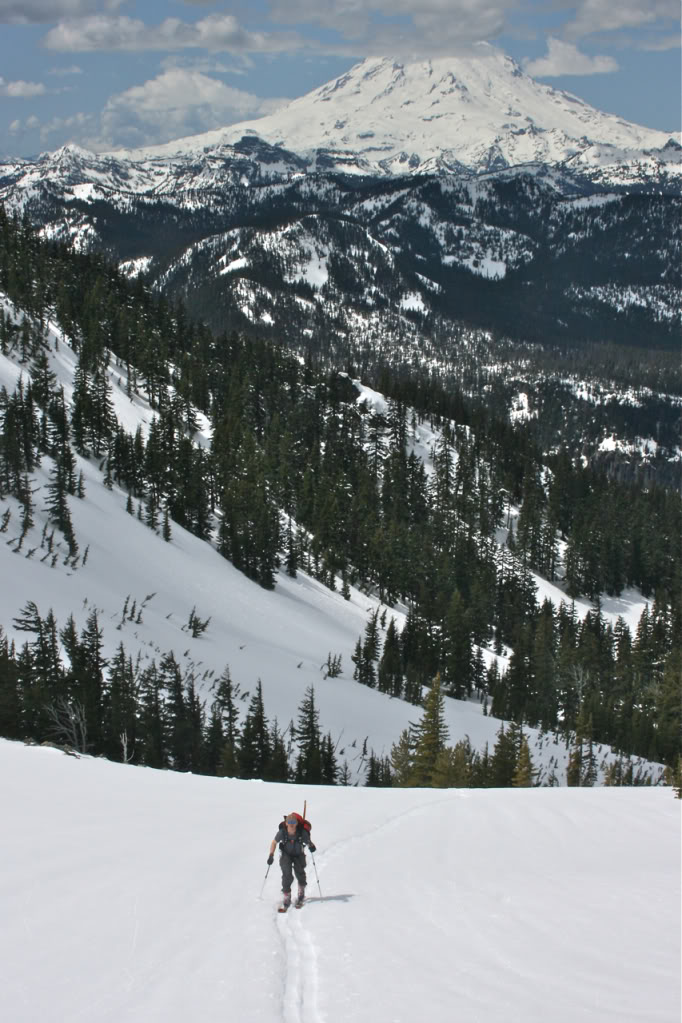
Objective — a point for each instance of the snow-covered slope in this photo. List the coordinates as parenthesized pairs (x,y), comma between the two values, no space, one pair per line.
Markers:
(281,637)
(133,894)
(479,112)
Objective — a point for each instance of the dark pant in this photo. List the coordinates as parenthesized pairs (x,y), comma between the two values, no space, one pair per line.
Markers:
(292,865)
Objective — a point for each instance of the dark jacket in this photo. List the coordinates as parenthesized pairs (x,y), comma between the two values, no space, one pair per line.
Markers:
(292,846)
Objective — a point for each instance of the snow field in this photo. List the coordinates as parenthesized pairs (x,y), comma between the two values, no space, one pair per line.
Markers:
(133,894)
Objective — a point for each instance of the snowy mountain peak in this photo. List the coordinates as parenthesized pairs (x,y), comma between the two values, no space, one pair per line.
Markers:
(464,115)
(480,112)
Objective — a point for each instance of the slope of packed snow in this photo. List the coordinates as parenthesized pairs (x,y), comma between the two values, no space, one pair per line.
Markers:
(281,637)
(133,894)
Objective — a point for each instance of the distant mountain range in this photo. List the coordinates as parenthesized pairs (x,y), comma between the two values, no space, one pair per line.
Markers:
(386,209)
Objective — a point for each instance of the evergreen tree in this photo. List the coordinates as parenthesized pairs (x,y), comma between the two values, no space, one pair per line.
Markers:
(89,688)
(523,775)
(152,719)
(58,508)
(430,736)
(390,671)
(225,711)
(402,758)
(330,769)
(458,657)
(255,749)
(505,757)
(278,765)
(10,699)
(308,741)
(119,730)
(454,766)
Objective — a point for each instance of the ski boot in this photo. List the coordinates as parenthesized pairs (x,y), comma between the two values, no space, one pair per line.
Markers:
(286,902)
(301,897)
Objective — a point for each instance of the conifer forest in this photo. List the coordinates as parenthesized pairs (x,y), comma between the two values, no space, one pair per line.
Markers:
(300,476)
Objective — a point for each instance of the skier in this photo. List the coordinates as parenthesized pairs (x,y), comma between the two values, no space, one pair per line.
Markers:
(292,837)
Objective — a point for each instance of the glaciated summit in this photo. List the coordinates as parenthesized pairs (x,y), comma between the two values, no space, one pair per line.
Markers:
(479,113)
(464,115)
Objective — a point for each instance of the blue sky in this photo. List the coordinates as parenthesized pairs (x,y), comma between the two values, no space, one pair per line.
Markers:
(111,73)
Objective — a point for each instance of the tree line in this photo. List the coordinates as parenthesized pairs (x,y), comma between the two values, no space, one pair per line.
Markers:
(151,714)
(59,687)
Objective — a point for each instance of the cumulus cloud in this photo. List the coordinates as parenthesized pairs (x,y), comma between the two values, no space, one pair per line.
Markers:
(565,59)
(21,89)
(18,127)
(177,102)
(24,12)
(359,27)
(216,32)
(74,128)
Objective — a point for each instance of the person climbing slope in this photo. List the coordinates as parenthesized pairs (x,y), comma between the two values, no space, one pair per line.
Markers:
(292,836)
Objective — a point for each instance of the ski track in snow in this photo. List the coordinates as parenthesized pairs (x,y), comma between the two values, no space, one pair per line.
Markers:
(301,981)
(301,975)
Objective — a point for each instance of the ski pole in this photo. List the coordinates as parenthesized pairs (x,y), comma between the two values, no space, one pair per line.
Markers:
(316,877)
(264,880)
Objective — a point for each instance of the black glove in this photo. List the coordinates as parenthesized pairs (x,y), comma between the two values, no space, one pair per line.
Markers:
(312,847)
(271,860)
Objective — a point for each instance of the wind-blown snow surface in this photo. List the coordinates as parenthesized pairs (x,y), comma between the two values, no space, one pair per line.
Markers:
(133,894)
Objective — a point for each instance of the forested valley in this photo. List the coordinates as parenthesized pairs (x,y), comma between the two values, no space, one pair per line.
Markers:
(300,476)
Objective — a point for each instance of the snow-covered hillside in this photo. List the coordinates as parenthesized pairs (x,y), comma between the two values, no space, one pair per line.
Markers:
(133,894)
(281,637)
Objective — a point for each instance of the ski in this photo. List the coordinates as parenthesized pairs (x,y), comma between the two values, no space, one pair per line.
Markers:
(282,909)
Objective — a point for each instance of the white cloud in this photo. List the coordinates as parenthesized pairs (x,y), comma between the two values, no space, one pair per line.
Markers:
(400,27)
(565,59)
(74,128)
(606,16)
(23,12)
(21,89)
(216,32)
(177,102)
(19,127)
(360,27)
